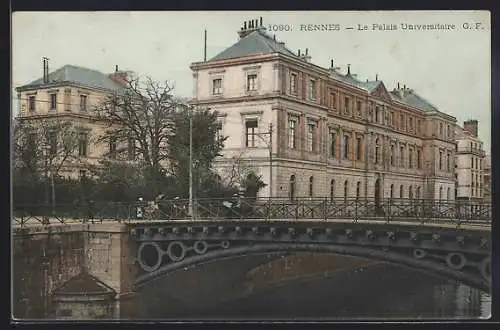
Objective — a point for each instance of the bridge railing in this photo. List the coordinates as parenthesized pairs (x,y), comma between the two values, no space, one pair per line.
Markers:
(264,209)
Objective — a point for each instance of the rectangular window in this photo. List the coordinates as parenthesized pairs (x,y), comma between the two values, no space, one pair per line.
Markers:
(32,103)
(440,160)
(391,118)
(410,158)
(82,144)
(345,151)
(358,148)
(293,83)
(392,155)
(333,100)
(217,86)
(358,108)
(402,122)
(251,82)
(346,105)
(401,156)
(251,132)
(53,101)
(112,147)
(333,144)
(311,136)
(292,133)
(131,148)
(83,102)
(419,159)
(448,161)
(440,129)
(52,142)
(377,114)
(418,126)
(411,123)
(312,89)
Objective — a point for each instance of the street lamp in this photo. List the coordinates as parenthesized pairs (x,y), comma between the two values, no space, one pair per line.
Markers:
(270,148)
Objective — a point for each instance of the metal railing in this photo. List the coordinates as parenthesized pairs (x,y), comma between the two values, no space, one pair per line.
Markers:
(241,208)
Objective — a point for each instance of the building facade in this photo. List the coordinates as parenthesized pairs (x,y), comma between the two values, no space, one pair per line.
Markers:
(318,132)
(470,162)
(487,196)
(70,94)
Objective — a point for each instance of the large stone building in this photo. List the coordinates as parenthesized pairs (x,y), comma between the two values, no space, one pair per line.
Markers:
(333,135)
(70,94)
(469,163)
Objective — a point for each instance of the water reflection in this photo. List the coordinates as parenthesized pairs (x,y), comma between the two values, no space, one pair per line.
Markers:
(375,291)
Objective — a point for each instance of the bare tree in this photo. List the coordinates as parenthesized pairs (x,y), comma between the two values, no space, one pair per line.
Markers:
(139,121)
(45,146)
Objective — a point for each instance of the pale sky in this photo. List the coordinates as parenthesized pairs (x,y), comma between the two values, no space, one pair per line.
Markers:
(450,68)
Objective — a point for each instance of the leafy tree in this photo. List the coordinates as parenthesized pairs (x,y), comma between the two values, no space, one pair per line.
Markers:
(207,144)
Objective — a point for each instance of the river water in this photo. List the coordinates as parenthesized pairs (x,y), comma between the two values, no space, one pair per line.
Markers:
(379,291)
(356,289)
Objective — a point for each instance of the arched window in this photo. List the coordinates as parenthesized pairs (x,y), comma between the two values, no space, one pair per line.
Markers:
(292,187)
(418,193)
(346,189)
(392,191)
(332,190)
(311,186)
(358,189)
(410,192)
(401,191)
(441,192)
(448,194)
(377,151)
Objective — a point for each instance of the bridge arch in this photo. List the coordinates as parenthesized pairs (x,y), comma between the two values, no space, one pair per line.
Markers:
(414,261)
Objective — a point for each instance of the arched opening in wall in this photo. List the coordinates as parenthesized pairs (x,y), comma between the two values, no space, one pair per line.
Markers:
(410,192)
(441,192)
(332,190)
(401,192)
(346,189)
(291,191)
(448,194)
(311,186)
(358,190)
(392,190)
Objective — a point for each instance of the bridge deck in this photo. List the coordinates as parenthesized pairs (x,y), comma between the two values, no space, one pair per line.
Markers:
(433,223)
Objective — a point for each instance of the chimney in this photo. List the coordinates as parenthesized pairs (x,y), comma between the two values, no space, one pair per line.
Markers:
(376,77)
(120,77)
(398,86)
(348,69)
(250,26)
(471,126)
(331,64)
(45,70)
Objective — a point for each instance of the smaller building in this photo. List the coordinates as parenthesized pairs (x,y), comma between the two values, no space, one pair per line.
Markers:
(83,297)
(469,163)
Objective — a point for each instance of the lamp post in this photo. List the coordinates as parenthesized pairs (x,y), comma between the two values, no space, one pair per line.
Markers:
(270,148)
(190,206)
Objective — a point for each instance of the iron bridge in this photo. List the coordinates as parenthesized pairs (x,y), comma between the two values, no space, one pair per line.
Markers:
(450,239)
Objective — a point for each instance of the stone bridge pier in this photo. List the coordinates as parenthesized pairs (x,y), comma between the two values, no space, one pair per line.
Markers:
(74,271)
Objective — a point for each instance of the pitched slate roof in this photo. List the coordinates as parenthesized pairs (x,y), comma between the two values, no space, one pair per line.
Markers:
(414,100)
(256,42)
(79,75)
(83,283)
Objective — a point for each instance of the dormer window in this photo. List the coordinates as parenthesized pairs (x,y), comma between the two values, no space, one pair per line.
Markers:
(252,82)
(217,86)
